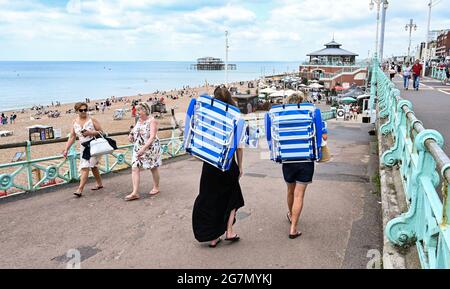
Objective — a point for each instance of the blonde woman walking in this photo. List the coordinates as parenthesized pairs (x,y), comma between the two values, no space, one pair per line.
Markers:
(146,150)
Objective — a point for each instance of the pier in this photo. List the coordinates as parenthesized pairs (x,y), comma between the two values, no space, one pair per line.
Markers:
(211,63)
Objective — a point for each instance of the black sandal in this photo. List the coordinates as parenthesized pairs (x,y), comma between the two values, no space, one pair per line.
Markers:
(217,243)
(296,235)
(78,195)
(97,188)
(234,239)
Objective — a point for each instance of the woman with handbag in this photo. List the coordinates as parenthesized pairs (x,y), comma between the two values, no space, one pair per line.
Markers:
(85,128)
(146,150)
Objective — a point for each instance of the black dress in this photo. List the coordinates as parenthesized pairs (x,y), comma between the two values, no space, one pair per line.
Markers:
(220,193)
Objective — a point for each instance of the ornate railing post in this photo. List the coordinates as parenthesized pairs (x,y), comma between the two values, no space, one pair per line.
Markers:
(390,110)
(373,89)
(29,167)
(72,160)
(410,227)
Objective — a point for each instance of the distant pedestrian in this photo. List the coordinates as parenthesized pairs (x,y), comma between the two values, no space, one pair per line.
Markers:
(447,72)
(406,75)
(392,71)
(416,70)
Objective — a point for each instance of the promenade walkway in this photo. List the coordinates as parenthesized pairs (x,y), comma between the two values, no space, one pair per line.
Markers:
(341,220)
(431,105)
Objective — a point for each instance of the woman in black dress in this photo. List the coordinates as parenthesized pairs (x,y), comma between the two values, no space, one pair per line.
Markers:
(220,195)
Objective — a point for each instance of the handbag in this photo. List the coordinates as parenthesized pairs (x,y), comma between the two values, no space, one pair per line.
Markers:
(326,155)
(100,146)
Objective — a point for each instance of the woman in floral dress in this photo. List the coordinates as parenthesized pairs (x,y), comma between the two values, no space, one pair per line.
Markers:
(146,151)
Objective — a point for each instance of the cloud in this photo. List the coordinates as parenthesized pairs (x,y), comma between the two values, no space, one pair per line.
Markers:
(185,30)
(74,7)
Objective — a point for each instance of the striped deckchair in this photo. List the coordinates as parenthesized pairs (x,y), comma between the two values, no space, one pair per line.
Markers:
(294,133)
(213,131)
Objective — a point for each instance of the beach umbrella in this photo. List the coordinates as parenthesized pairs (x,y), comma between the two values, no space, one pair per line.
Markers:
(347,100)
(303,85)
(283,93)
(363,96)
(268,90)
(279,93)
(289,92)
(315,86)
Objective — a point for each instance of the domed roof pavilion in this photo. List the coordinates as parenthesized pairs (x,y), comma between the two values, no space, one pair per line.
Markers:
(332,54)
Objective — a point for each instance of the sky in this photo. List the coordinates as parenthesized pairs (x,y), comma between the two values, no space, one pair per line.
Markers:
(162,30)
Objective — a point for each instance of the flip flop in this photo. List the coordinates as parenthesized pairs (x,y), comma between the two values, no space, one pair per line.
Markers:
(78,195)
(296,235)
(132,198)
(217,243)
(234,239)
(154,194)
(97,188)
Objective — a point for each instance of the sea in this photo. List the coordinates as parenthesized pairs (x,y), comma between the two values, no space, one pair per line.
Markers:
(24,84)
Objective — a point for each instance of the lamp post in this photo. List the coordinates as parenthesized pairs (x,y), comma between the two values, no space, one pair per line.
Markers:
(371,6)
(383,25)
(226,58)
(410,26)
(427,55)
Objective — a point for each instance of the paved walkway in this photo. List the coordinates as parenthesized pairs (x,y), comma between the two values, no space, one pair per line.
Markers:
(431,105)
(341,220)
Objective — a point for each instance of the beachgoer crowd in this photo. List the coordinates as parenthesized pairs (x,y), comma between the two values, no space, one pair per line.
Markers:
(12,118)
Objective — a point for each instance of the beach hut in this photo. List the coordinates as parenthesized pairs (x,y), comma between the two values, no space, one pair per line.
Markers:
(40,132)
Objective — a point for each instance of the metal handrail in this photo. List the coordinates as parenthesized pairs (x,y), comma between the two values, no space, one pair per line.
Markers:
(440,157)
(422,165)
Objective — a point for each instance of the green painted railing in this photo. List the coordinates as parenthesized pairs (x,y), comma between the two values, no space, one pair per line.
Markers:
(35,174)
(438,73)
(423,165)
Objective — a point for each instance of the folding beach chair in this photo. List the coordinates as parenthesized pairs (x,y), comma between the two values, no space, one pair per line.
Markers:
(213,131)
(18,157)
(294,133)
(250,137)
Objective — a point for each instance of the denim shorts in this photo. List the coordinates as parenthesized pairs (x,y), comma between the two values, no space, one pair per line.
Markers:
(301,173)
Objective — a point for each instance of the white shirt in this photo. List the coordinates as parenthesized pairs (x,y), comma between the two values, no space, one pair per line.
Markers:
(407,71)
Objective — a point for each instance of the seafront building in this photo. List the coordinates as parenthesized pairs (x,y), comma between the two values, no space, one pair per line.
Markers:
(334,65)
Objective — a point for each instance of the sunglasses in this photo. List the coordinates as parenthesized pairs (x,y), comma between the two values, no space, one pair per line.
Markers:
(83,110)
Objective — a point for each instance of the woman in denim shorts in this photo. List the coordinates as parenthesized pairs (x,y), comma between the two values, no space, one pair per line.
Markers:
(297,177)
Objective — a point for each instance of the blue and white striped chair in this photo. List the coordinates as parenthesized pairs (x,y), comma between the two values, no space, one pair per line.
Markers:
(213,131)
(294,133)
